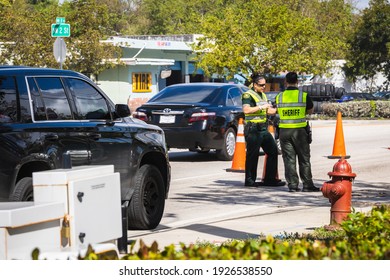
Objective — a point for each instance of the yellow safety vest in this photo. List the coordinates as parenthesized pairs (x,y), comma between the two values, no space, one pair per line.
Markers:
(292,108)
(259,116)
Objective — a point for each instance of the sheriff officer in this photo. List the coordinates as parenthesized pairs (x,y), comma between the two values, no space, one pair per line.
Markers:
(256,107)
(293,105)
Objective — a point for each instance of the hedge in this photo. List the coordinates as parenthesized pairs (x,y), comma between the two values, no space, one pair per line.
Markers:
(361,237)
(358,109)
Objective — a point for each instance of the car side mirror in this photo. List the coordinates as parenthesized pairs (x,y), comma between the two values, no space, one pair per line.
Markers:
(122,110)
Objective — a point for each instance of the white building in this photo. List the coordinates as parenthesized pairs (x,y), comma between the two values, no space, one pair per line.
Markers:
(152,62)
(338,79)
(149,63)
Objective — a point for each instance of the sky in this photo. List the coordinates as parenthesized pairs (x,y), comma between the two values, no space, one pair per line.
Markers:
(361,4)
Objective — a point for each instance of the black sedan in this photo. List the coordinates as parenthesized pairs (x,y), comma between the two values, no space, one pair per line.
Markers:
(197,116)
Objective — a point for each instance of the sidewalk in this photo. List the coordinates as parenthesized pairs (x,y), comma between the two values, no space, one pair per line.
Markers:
(214,207)
(262,220)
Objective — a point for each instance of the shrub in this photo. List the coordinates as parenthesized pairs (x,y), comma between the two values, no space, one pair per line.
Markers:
(361,237)
(368,235)
(358,109)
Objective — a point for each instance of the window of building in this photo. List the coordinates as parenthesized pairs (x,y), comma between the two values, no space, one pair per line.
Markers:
(142,82)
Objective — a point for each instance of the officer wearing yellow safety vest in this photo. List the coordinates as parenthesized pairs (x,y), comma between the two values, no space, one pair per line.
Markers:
(256,107)
(292,106)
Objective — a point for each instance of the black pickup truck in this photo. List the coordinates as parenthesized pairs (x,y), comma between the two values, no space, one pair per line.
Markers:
(49,115)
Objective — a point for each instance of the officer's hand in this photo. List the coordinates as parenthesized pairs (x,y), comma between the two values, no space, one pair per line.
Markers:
(271,111)
(266,106)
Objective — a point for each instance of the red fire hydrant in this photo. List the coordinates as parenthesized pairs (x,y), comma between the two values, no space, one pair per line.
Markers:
(339,191)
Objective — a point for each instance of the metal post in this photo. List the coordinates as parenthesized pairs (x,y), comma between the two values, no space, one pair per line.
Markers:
(122,241)
(66,160)
(61,54)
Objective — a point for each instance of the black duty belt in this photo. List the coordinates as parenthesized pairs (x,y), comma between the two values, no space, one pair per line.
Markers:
(258,125)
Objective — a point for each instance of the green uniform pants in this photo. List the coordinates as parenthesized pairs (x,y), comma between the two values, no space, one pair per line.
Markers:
(256,137)
(294,144)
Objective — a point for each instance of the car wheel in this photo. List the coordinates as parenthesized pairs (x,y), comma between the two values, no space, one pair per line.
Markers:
(229,144)
(146,206)
(23,190)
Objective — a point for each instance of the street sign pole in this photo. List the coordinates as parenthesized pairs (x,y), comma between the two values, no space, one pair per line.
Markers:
(60,29)
(59,50)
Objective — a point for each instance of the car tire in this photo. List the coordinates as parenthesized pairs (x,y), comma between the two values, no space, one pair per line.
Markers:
(23,190)
(229,144)
(147,204)
(339,92)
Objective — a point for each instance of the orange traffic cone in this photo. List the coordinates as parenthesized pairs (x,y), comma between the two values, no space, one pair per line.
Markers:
(339,145)
(265,167)
(271,130)
(239,157)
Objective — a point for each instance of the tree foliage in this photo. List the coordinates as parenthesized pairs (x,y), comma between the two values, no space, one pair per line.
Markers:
(24,37)
(25,33)
(5,3)
(241,36)
(369,44)
(123,16)
(272,36)
(177,16)
(89,25)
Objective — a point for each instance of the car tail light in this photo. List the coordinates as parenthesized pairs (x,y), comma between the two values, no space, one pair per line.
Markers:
(140,115)
(195,117)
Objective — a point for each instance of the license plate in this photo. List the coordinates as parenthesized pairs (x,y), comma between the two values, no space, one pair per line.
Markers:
(167,119)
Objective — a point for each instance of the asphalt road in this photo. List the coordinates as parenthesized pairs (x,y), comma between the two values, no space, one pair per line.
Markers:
(208,204)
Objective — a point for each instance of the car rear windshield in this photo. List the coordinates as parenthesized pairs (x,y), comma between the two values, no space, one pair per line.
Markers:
(186,94)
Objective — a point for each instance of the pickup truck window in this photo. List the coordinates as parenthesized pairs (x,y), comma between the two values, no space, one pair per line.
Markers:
(90,104)
(50,100)
(8,102)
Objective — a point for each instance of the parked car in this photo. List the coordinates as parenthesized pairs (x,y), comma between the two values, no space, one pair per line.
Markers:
(48,114)
(349,96)
(362,96)
(345,98)
(382,95)
(197,116)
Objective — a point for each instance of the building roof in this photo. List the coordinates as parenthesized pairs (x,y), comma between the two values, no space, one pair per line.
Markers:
(160,42)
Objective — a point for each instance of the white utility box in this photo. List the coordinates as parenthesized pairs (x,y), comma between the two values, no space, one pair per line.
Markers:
(25,226)
(91,197)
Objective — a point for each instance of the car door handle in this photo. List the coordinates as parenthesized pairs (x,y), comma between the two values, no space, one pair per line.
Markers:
(95,136)
(51,137)
(235,112)
(79,154)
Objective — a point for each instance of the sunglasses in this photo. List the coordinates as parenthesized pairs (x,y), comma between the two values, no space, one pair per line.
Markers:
(260,85)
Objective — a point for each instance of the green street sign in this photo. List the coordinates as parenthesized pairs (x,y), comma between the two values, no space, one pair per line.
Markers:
(60,30)
(60,20)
